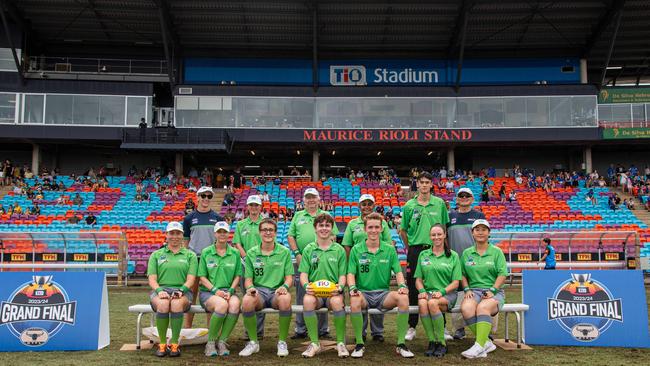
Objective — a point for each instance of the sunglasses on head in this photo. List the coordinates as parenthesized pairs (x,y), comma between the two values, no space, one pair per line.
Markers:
(208,196)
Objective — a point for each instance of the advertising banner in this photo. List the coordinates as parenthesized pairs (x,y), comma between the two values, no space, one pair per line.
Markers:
(626,133)
(53,311)
(605,308)
(624,95)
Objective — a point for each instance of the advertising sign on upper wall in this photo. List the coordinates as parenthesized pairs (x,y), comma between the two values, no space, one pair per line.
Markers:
(380,72)
(624,95)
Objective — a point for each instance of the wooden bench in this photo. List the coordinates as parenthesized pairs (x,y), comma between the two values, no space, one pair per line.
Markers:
(517,309)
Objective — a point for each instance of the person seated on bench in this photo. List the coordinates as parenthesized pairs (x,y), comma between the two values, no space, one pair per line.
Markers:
(324,259)
(369,267)
(436,277)
(269,275)
(172,272)
(219,272)
(484,272)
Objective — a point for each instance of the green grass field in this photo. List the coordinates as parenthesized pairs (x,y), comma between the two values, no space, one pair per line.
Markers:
(123,331)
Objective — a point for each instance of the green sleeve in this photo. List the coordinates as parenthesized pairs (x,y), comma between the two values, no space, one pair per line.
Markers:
(342,262)
(152,267)
(462,264)
(352,261)
(406,217)
(395,266)
(237,238)
(305,263)
(238,268)
(444,214)
(288,266)
(500,263)
(385,234)
(418,270)
(292,227)
(456,272)
(347,236)
(193,265)
(248,269)
(203,267)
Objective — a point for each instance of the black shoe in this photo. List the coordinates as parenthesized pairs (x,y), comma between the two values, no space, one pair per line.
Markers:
(378,338)
(433,346)
(491,338)
(299,336)
(459,334)
(440,351)
(325,336)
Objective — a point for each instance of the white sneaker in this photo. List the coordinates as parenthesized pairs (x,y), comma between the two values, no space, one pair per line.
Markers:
(476,351)
(359,349)
(448,336)
(283,350)
(311,350)
(342,350)
(210,350)
(251,347)
(489,346)
(403,351)
(222,349)
(410,334)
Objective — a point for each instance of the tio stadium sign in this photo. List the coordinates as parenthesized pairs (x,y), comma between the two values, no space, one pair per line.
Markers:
(355,75)
(386,135)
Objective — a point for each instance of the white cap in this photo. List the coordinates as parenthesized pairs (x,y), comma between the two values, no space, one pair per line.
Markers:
(254,199)
(465,190)
(480,222)
(365,197)
(311,191)
(204,189)
(174,225)
(221,225)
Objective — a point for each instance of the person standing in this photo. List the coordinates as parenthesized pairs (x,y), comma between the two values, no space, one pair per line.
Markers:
(301,233)
(460,238)
(549,255)
(419,214)
(198,232)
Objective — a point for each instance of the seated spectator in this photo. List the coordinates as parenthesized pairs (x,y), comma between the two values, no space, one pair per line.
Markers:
(91,219)
(35,210)
(78,201)
(145,196)
(62,200)
(512,197)
(273,215)
(229,198)
(74,219)
(138,197)
(17,209)
(229,216)
(611,202)
(39,195)
(449,186)
(591,197)
(190,205)
(265,197)
(264,214)
(17,189)
(239,215)
(629,203)
(485,194)
(289,215)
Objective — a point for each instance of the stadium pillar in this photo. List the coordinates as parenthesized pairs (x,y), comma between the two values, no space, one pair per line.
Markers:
(315,168)
(451,159)
(583,71)
(178,168)
(36,159)
(587,159)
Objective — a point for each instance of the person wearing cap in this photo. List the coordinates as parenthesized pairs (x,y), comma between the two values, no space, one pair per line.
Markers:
(219,272)
(484,272)
(370,267)
(198,228)
(301,233)
(171,271)
(247,236)
(549,255)
(419,214)
(269,276)
(459,235)
(355,234)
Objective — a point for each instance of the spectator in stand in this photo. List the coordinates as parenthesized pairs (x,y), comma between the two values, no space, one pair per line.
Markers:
(611,202)
(449,186)
(265,197)
(35,210)
(78,201)
(190,205)
(91,219)
(591,197)
(239,215)
(229,198)
(502,192)
(229,216)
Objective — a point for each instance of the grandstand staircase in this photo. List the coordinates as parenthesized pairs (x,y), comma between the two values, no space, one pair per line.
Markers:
(639,211)
(4,190)
(217,201)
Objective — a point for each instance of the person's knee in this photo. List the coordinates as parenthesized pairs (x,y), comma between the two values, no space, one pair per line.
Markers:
(336,303)
(485,308)
(178,306)
(162,306)
(309,302)
(248,304)
(233,305)
(355,304)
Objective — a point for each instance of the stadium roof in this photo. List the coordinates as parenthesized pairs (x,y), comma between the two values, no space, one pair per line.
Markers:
(345,29)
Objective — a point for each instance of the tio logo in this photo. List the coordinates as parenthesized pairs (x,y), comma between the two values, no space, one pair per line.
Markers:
(347,75)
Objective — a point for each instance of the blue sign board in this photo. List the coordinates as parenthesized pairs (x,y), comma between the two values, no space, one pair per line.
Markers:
(53,311)
(604,308)
(380,72)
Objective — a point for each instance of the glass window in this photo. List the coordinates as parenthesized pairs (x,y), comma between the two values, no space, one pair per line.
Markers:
(621,113)
(537,111)
(560,111)
(187,103)
(638,113)
(111,111)
(58,109)
(33,108)
(187,118)
(583,110)
(491,112)
(136,108)
(85,110)
(604,113)
(515,112)
(468,112)
(7,107)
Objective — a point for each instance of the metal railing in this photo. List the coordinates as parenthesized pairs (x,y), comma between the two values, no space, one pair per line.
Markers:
(621,124)
(96,65)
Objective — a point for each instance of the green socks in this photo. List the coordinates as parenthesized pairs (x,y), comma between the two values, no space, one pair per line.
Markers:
(215,324)
(339,325)
(250,323)
(311,322)
(176,321)
(438,322)
(471,324)
(162,323)
(283,329)
(357,324)
(428,326)
(228,326)
(483,327)
(402,325)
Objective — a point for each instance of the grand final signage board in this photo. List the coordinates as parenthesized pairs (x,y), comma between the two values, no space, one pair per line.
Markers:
(53,311)
(604,308)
